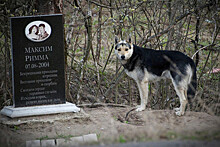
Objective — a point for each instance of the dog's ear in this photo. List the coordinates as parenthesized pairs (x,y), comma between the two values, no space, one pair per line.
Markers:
(129,38)
(116,39)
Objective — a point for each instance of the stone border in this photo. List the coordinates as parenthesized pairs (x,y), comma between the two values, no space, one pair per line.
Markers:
(73,141)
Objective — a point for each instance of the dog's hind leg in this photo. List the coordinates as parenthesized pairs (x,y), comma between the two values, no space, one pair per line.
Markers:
(143,91)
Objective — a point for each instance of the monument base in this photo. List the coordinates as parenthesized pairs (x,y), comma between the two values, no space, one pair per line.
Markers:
(39,110)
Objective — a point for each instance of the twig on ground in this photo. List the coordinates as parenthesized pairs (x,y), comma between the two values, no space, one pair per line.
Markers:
(126,117)
(95,105)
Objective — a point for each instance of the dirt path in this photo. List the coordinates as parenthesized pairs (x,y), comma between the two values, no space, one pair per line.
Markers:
(110,126)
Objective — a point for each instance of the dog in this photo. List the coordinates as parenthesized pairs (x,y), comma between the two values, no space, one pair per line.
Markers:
(145,65)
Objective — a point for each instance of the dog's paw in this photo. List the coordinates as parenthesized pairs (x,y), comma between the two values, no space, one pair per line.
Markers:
(176,109)
(140,108)
(179,113)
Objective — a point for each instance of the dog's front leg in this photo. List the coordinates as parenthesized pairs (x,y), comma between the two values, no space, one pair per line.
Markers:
(143,91)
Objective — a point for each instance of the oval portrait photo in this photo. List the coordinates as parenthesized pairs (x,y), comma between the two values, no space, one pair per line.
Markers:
(37,31)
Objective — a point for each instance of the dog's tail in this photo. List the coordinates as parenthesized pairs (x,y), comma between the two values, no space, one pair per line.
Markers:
(191,91)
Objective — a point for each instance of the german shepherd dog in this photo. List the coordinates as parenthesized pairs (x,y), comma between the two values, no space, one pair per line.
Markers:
(145,65)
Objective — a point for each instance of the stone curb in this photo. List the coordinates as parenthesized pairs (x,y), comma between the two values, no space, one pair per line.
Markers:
(73,141)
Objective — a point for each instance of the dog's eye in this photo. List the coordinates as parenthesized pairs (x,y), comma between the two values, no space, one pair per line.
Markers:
(126,49)
(119,50)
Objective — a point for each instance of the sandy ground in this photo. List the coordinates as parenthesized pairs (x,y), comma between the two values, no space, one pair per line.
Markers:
(111,127)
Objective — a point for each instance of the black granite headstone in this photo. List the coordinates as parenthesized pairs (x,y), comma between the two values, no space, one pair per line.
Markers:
(38,60)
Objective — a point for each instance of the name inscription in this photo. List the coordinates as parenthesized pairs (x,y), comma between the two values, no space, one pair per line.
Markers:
(29,57)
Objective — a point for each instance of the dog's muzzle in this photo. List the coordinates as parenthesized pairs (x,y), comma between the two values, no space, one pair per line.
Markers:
(122,57)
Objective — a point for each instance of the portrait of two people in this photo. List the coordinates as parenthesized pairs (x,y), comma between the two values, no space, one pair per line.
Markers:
(37,32)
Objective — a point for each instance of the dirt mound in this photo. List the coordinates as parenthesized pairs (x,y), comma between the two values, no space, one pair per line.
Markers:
(111,125)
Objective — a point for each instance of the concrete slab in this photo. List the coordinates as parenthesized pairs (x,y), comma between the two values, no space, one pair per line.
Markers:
(39,110)
(47,143)
(63,142)
(90,138)
(33,143)
(74,141)
(77,140)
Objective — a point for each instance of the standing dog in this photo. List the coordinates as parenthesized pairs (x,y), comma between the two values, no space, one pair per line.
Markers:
(145,65)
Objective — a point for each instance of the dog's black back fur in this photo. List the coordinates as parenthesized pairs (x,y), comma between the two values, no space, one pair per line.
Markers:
(157,61)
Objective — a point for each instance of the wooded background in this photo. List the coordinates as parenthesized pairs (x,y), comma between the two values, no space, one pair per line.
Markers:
(94,75)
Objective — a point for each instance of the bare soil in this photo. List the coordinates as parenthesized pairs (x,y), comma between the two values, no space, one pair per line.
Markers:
(110,125)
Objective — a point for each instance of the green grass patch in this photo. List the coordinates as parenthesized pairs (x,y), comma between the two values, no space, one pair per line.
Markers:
(122,139)
(66,137)
(203,136)
(43,138)
(171,135)
(16,128)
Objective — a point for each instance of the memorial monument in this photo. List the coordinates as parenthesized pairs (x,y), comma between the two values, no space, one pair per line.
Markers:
(38,76)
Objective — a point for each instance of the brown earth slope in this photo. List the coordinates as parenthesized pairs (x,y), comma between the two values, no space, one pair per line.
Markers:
(110,126)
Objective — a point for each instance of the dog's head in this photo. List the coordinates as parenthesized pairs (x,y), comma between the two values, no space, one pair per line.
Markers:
(123,49)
